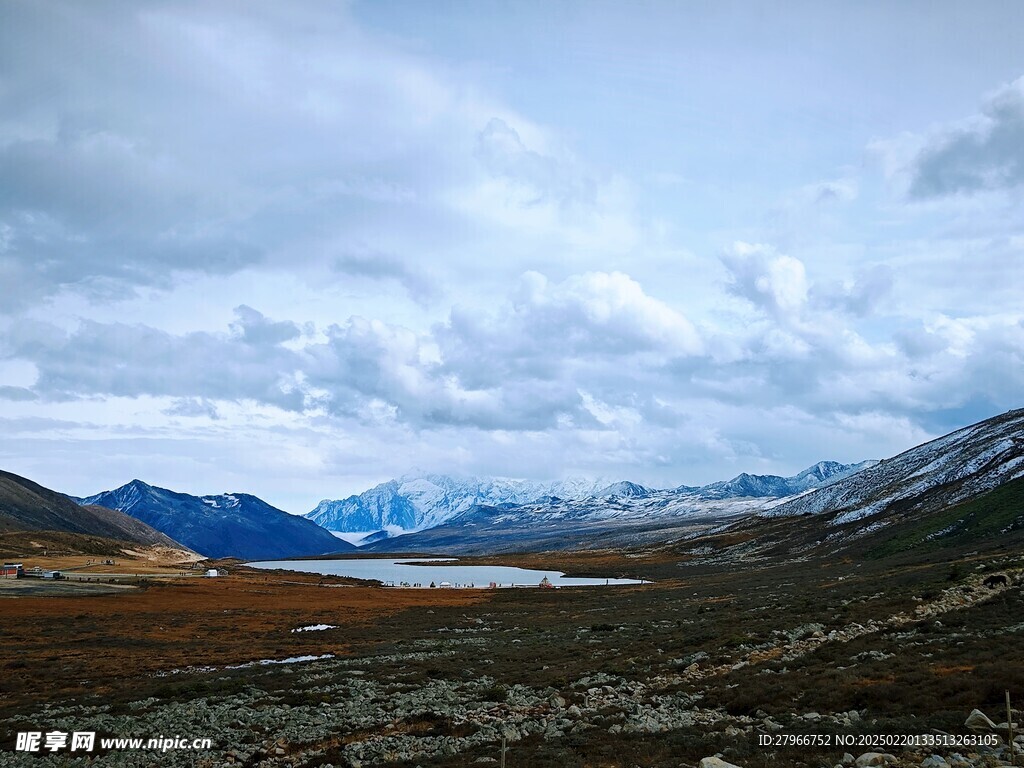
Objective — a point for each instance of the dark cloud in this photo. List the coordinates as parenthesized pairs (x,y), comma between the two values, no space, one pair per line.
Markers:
(172,139)
(257,330)
(193,407)
(988,155)
(117,359)
(858,297)
(16,393)
(382,266)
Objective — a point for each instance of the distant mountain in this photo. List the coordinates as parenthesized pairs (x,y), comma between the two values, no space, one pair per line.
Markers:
(28,506)
(744,485)
(421,503)
(416,503)
(624,488)
(617,515)
(593,522)
(940,473)
(228,525)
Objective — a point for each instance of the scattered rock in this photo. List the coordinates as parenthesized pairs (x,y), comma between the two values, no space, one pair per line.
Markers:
(715,762)
(869,759)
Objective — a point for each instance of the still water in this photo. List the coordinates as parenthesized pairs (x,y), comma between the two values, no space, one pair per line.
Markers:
(436,570)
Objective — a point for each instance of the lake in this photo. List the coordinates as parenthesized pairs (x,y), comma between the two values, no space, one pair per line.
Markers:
(437,570)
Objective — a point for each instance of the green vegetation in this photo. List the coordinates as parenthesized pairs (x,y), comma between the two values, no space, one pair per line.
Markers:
(987,517)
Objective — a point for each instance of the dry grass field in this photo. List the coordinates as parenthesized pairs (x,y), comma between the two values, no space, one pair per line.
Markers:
(659,675)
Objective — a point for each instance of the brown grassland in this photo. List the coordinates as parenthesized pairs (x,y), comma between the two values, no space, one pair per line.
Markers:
(745,625)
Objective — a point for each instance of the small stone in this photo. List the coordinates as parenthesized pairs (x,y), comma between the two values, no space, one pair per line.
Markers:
(870,759)
(715,762)
(848,759)
(934,761)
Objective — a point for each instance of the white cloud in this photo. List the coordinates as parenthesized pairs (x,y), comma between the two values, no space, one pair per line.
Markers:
(773,282)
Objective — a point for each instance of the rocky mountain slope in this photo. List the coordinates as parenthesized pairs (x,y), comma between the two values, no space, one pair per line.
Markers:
(940,473)
(965,489)
(28,506)
(226,525)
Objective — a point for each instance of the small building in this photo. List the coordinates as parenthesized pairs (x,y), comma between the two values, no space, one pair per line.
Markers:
(12,571)
(445,584)
(213,573)
(545,583)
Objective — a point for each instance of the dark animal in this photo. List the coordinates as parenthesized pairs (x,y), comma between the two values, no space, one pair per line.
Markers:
(996,580)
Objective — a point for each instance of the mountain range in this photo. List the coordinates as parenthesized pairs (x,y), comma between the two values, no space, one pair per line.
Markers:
(932,490)
(225,525)
(414,504)
(419,502)
(619,515)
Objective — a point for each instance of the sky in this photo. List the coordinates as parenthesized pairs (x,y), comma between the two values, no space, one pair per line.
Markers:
(299,249)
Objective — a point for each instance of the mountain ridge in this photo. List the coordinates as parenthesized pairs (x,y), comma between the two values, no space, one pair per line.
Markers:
(221,525)
(412,504)
(28,506)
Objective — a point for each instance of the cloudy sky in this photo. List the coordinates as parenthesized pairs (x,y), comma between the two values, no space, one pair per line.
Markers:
(296,249)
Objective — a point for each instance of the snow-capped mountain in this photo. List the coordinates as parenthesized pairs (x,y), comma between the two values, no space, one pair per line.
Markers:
(438,508)
(623,488)
(744,485)
(416,503)
(940,473)
(227,525)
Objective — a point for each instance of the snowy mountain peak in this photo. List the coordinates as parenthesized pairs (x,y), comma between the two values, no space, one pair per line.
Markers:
(416,503)
(623,488)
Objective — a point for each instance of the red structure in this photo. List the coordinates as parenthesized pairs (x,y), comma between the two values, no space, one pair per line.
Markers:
(12,571)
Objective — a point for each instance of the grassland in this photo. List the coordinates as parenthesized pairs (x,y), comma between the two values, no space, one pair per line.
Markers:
(713,653)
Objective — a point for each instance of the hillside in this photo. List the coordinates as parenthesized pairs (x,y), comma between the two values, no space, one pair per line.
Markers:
(28,506)
(963,491)
(935,475)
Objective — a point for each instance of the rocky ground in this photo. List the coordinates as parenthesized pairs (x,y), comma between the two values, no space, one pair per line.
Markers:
(696,669)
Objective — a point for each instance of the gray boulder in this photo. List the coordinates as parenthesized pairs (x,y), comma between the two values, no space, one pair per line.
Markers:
(978,721)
